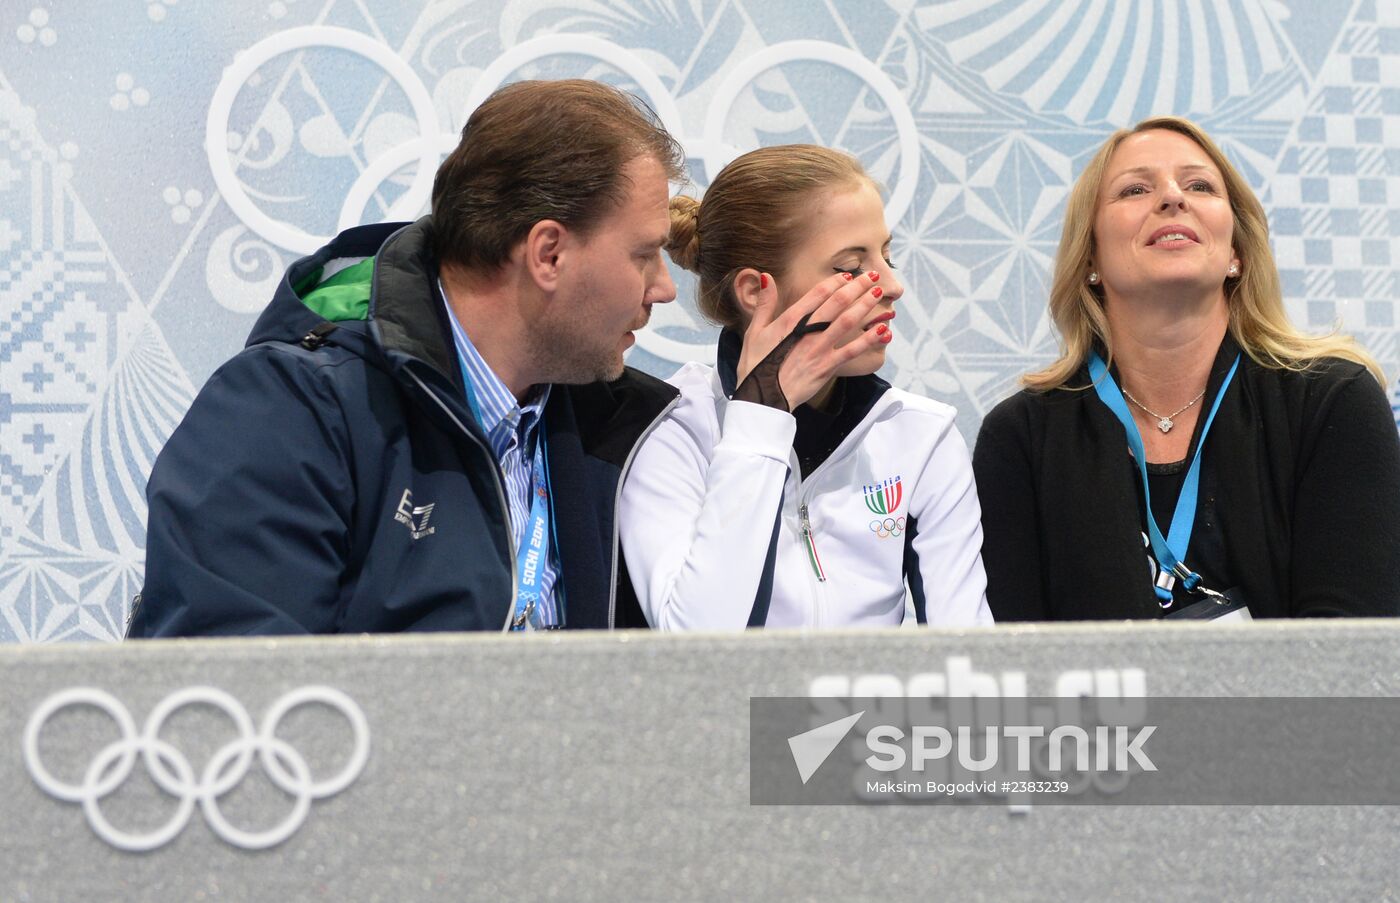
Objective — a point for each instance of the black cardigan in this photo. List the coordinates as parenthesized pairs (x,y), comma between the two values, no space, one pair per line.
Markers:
(1300,499)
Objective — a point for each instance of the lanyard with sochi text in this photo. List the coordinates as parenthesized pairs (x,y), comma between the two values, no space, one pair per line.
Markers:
(1171,550)
(534,546)
(533,552)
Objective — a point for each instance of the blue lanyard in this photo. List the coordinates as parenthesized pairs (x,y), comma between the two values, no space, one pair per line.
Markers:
(1172,550)
(533,553)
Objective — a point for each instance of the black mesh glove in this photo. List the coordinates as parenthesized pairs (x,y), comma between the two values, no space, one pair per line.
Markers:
(761,385)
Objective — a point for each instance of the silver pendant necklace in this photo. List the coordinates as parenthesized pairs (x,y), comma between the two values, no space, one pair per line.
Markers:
(1165,421)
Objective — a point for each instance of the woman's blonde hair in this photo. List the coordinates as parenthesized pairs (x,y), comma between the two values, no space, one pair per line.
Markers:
(1255,299)
(753,215)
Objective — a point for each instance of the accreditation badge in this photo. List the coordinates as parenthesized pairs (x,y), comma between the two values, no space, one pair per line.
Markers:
(1226,607)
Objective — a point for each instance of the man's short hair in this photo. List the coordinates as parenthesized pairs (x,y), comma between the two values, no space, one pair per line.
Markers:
(537,150)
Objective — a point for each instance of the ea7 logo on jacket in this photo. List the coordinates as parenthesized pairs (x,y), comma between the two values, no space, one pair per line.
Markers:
(884,498)
(415,519)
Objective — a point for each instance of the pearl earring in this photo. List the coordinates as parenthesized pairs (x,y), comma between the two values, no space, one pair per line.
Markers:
(1234,270)
(1093,278)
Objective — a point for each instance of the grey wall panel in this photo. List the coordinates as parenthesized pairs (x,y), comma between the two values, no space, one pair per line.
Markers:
(616,767)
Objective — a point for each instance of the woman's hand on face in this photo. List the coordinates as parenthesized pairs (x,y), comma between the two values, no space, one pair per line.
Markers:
(845,302)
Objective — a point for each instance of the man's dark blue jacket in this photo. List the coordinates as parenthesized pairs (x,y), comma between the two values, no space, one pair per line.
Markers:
(293,498)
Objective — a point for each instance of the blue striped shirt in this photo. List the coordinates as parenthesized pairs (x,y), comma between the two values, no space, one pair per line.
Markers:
(513,431)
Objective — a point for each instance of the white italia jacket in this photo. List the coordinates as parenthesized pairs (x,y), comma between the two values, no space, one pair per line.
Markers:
(720,531)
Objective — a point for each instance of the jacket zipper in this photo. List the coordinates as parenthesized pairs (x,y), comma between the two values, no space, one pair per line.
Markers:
(500,489)
(807,535)
(617,506)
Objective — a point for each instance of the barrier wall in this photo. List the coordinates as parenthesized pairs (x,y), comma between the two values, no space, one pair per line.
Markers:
(162,162)
(616,767)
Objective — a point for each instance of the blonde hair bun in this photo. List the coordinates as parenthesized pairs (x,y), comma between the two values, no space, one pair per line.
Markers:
(683,244)
(757,211)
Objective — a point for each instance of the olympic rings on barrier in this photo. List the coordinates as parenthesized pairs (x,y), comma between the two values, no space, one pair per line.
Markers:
(172,772)
(890,526)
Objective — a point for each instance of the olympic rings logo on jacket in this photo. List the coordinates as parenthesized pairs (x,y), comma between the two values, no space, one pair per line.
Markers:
(890,526)
(173,773)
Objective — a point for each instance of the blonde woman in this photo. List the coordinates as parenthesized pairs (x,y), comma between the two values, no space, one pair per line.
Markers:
(1190,453)
(790,486)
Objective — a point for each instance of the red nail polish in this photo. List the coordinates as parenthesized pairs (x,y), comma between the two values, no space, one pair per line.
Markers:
(874,276)
(876,292)
(762,280)
(847,276)
(886,337)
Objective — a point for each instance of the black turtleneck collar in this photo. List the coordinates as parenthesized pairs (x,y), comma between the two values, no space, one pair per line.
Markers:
(819,431)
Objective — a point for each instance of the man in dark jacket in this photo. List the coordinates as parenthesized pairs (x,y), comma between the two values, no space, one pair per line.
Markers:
(428,426)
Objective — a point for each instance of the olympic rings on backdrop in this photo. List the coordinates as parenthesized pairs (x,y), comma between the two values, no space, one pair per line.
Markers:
(173,773)
(237,73)
(427,147)
(890,526)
